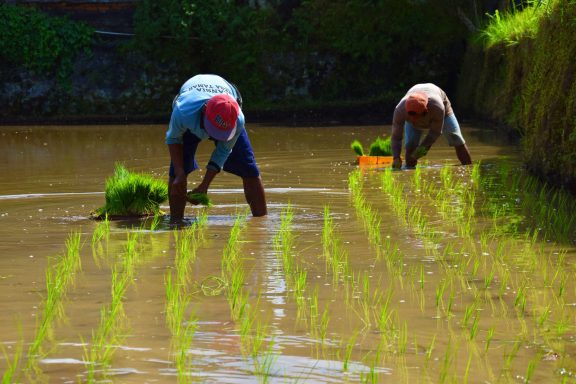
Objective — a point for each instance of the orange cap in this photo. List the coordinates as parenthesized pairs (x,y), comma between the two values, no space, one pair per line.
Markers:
(417,103)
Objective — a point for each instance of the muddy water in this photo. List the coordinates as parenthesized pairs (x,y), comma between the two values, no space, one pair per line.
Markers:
(485,304)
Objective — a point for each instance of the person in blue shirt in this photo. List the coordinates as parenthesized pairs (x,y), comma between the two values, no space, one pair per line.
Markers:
(209,107)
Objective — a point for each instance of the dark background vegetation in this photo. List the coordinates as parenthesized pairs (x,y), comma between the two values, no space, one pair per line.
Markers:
(294,60)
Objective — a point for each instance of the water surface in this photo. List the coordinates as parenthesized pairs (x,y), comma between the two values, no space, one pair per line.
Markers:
(464,321)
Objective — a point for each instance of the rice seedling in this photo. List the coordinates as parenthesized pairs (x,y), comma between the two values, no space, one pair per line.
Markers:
(447,361)
(284,241)
(371,376)
(348,351)
(511,355)
(403,339)
(324,320)
(59,276)
(384,320)
(440,289)
(237,298)
(183,341)
(231,256)
(531,368)
(265,363)
(417,178)
(113,322)
(336,258)
(108,335)
(314,312)
(199,198)
(12,363)
(520,300)
(379,147)
(446,177)
(131,194)
(155,223)
(259,334)
(467,371)
(474,326)
(357,147)
(102,230)
(430,349)
(489,337)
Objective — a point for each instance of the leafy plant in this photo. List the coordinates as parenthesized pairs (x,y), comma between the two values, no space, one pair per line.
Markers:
(132,194)
(39,42)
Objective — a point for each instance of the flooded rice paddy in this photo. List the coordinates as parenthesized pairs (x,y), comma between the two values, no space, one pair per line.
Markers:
(443,273)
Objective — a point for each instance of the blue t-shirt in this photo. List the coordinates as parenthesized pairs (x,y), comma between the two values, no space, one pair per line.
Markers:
(186,114)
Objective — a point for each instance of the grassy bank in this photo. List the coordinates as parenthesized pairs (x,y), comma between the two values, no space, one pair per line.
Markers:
(521,74)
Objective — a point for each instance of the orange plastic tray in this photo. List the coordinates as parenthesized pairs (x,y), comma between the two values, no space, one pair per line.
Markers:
(374,160)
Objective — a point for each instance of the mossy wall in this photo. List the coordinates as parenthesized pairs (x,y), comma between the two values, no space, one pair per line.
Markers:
(530,88)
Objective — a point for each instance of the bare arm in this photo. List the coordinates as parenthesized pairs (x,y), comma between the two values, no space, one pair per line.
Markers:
(206,181)
(397,132)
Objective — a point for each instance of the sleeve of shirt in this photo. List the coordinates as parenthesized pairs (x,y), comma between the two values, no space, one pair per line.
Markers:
(175,129)
(224,148)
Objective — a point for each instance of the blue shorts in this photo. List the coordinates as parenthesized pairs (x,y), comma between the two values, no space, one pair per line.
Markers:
(241,161)
(450,130)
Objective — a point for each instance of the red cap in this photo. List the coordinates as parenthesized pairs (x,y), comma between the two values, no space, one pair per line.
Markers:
(417,103)
(220,117)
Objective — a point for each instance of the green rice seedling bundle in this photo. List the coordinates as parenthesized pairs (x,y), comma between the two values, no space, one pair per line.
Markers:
(132,194)
(357,148)
(199,198)
(379,147)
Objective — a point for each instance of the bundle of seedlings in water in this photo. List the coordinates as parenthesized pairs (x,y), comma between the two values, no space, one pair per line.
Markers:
(132,194)
(380,151)
(198,198)
(379,147)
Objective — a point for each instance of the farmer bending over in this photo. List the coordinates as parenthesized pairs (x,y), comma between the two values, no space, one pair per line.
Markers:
(425,106)
(208,107)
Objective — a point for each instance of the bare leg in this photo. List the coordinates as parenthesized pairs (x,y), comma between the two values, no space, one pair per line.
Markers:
(177,202)
(410,161)
(254,193)
(463,154)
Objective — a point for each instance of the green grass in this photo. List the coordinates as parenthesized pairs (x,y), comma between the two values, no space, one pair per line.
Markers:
(132,194)
(510,27)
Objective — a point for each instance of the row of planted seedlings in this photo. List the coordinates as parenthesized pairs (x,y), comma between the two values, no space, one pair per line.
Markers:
(397,341)
(61,275)
(460,255)
(512,253)
(180,318)
(114,326)
(353,289)
(544,265)
(257,342)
